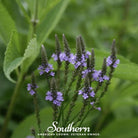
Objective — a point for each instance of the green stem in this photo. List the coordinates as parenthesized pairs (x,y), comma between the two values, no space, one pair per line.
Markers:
(85,116)
(37,113)
(11,106)
(35,18)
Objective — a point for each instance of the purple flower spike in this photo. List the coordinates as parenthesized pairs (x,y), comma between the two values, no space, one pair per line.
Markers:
(97,76)
(46,69)
(31,88)
(109,62)
(55,98)
(86,92)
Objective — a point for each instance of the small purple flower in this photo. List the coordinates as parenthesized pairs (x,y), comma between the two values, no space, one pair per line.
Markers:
(77,64)
(49,96)
(80,92)
(72,58)
(109,62)
(92,94)
(56,102)
(101,79)
(86,93)
(46,69)
(88,53)
(98,108)
(85,72)
(32,92)
(96,75)
(116,63)
(52,73)
(55,56)
(105,77)
(55,98)
(31,88)
(80,62)
(92,103)
(62,57)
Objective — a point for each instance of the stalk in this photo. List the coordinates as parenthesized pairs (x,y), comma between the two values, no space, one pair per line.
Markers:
(11,106)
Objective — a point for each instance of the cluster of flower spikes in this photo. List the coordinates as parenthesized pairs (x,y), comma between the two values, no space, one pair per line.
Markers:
(45,68)
(75,59)
(53,95)
(98,75)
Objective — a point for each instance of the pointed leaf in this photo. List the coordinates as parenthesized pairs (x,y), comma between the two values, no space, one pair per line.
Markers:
(6,24)
(30,54)
(50,20)
(14,59)
(12,56)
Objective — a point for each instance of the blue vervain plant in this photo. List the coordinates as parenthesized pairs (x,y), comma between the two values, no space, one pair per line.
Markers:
(84,76)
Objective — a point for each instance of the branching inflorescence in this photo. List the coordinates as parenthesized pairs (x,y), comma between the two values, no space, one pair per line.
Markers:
(82,66)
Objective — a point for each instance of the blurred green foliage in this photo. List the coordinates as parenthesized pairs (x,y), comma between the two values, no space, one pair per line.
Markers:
(98,21)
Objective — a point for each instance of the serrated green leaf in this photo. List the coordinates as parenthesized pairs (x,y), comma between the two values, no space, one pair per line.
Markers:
(50,20)
(13,57)
(30,54)
(126,128)
(6,24)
